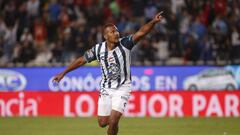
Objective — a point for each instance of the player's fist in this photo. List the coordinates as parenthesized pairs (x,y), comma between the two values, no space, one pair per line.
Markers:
(158,17)
(58,77)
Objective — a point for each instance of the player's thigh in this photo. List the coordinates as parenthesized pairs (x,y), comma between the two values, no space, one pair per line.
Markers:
(114,117)
(104,105)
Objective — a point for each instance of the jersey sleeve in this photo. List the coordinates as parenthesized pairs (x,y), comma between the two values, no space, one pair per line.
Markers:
(128,42)
(90,55)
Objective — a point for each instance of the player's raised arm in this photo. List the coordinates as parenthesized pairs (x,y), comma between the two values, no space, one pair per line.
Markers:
(145,29)
(75,64)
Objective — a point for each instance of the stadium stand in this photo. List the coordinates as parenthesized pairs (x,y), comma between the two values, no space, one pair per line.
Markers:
(54,32)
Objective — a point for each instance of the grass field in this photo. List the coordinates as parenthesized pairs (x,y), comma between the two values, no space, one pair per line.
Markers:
(128,126)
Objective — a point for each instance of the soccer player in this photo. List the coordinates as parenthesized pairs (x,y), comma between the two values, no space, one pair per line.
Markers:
(114,58)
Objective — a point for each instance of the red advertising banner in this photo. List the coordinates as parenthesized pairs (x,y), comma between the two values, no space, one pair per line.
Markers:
(141,104)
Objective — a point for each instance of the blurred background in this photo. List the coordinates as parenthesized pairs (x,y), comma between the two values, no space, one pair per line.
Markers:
(55,32)
(187,67)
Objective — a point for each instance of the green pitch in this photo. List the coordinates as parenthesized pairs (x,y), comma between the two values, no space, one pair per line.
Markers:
(128,126)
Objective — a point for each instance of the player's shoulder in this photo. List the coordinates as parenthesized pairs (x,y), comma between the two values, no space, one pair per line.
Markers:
(125,38)
(127,42)
(98,45)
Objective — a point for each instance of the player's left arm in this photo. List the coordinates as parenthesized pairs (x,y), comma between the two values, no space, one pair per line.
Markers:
(145,29)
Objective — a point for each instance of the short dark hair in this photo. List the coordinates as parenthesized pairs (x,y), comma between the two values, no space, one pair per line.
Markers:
(106,26)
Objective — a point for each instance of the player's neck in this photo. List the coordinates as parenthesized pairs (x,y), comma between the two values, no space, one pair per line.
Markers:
(111,46)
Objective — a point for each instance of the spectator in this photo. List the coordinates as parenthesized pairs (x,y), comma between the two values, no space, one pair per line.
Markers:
(220,7)
(150,10)
(10,40)
(161,44)
(26,36)
(57,50)
(39,33)
(1,46)
(177,5)
(207,49)
(10,14)
(64,18)
(198,29)
(191,50)
(235,40)
(3,27)
(147,52)
(24,20)
(54,11)
(68,45)
(33,8)
(42,58)
(26,53)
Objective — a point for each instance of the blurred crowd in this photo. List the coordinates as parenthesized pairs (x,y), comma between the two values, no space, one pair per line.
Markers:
(55,32)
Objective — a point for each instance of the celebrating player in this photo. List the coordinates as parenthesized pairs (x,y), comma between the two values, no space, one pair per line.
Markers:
(114,57)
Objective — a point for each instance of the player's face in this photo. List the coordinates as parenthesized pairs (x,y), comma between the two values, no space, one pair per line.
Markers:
(111,34)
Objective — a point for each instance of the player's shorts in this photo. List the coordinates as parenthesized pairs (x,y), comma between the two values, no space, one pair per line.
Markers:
(113,99)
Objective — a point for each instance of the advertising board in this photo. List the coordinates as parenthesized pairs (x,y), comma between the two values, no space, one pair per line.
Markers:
(141,104)
(87,79)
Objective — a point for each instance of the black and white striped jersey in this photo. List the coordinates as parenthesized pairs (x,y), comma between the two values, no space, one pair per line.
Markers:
(115,64)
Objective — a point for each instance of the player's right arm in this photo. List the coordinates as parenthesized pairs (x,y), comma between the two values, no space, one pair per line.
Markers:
(75,64)
(89,56)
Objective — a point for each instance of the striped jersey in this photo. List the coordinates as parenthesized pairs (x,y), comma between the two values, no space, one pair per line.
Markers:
(115,64)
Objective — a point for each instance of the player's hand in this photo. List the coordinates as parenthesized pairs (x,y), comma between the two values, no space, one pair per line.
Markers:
(58,77)
(158,17)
